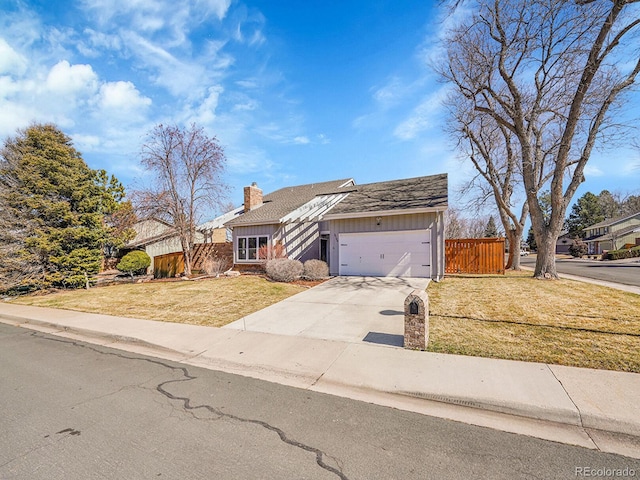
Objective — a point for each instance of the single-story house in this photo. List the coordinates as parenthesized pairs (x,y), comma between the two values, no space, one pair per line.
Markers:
(613,234)
(393,228)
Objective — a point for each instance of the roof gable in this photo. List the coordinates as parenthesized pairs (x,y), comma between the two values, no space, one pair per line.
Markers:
(612,221)
(280,203)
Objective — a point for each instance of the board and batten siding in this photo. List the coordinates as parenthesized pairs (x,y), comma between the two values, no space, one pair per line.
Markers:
(418,221)
(301,240)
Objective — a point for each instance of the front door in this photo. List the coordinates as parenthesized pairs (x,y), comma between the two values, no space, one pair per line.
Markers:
(324,248)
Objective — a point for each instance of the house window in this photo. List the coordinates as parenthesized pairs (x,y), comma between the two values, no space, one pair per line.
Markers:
(248,247)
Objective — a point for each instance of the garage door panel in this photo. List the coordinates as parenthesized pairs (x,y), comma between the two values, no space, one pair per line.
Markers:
(406,253)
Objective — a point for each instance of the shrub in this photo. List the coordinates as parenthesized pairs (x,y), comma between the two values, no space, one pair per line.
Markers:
(315,270)
(284,269)
(578,248)
(271,252)
(620,254)
(134,262)
(215,265)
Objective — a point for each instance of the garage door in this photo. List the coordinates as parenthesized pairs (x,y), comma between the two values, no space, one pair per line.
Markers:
(386,254)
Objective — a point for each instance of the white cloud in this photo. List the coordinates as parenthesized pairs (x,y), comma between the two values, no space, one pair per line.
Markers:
(301,140)
(249,29)
(86,143)
(390,93)
(10,60)
(95,43)
(423,117)
(206,111)
(248,83)
(247,106)
(122,98)
(323,139)
(15,115)
(171,20)
(433,48)
(593,171)
(71,80)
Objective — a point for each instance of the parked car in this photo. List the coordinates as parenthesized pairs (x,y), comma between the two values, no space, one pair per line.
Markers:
(523,252)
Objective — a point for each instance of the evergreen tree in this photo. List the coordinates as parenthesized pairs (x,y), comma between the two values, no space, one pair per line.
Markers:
(491,231)
(586,211)
(55,211)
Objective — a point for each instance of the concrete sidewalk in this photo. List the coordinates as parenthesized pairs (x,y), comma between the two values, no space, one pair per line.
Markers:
(592,408)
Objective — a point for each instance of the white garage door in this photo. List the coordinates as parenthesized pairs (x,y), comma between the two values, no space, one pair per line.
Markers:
(386,254)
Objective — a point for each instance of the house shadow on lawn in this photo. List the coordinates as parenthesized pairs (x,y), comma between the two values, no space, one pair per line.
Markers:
(384,339)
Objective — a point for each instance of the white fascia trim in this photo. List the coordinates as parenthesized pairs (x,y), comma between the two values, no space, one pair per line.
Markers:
(314,209)
(382,213)
(348,183)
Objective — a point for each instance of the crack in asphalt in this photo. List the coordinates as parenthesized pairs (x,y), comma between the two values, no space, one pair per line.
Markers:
(186,401)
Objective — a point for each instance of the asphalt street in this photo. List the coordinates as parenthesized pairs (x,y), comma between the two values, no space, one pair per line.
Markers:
(77,411)
(626,272)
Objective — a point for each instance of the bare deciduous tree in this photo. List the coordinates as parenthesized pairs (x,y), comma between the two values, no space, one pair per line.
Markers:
(187,167)
(551,73)
(491,149)
(457,226)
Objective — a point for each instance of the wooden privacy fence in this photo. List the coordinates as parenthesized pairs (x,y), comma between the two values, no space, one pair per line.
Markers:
(474,255)
(168,265)
(172,264)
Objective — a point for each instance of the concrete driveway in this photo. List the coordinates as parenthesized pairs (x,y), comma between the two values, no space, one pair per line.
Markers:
(352,309)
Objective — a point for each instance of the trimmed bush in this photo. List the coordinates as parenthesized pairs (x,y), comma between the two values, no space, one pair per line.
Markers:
(315,270)
(284,269)
(620,254)
(134,262)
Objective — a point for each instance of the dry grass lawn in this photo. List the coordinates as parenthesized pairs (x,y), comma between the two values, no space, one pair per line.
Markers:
(516,317)
(213,302)
(508,316)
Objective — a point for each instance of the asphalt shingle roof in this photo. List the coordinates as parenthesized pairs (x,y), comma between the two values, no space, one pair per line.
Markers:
(406,194)
(281,202)
(612,221)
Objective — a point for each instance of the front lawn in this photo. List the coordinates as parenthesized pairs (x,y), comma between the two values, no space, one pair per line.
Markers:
(514,316)
(508,316)
(213,302)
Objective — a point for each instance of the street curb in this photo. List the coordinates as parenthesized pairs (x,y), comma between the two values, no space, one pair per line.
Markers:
(603,283)
(573,418)
(86,334)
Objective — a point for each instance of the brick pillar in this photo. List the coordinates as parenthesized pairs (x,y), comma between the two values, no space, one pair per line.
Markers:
(416,320)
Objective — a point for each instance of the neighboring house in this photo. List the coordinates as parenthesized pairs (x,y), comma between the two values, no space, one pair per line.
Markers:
(393,228)
(613,234)
(563,243)
(156,237)
(214,231)
(159,238)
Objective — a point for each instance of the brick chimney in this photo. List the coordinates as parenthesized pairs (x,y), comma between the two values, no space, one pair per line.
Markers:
(252,197)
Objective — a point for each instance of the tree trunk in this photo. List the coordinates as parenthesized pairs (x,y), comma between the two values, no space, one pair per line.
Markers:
(514,237)
(546,258)
(187,263)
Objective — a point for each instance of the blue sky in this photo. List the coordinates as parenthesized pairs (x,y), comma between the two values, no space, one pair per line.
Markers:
(296,92)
